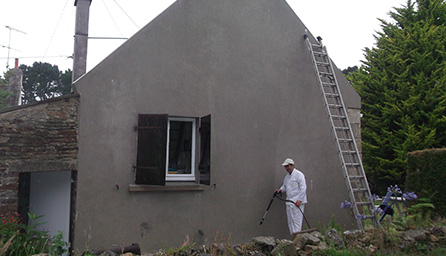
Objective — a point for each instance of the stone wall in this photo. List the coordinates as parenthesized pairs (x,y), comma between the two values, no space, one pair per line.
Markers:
(38,137)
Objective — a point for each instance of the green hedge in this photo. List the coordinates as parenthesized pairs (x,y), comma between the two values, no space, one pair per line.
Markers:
(426,176)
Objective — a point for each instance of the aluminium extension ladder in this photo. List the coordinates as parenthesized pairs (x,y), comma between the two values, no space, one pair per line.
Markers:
(354,175)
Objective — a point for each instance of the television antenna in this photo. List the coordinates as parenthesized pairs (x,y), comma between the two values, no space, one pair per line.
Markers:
(9,43)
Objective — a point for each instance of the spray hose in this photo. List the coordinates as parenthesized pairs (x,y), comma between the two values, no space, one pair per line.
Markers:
(278,196)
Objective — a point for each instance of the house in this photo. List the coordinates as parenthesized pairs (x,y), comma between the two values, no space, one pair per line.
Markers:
(181,132)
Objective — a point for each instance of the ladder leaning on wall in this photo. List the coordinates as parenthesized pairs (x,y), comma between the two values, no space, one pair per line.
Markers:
(354,175)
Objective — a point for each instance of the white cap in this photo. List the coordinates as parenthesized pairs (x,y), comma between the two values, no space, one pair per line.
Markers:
(288,161)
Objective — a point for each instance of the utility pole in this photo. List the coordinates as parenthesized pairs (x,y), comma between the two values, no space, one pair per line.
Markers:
(81,38)
(9,43)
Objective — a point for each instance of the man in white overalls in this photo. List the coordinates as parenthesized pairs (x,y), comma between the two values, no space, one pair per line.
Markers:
(296,191)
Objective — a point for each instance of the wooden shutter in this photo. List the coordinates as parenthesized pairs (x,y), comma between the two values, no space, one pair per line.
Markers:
(205,150)
(151,156)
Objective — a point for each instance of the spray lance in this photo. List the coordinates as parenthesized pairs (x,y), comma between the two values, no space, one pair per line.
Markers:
(278,195)
(267,208)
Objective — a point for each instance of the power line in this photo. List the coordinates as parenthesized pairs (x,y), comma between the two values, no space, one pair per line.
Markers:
(55,29)
(66,30)
(126,14)
(111,16)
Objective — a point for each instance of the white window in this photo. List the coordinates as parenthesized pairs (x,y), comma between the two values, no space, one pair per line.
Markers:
(180,152)
(173,149)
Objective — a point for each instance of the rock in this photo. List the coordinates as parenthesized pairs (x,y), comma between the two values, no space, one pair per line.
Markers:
(284,248)
(322,246)
(302,240)
(439,231)
(247,250)
(433,238)
(239,249)
(314,248)
(265,243)
(373,249)
(256,254)
(333,238)
(352,233)
(109,253)
(415,235)
(363,239)
(316,234)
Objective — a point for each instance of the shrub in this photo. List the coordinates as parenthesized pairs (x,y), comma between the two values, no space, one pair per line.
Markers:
(19,239)
(426,175)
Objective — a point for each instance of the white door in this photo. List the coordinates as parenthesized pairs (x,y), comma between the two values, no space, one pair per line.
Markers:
(50,197)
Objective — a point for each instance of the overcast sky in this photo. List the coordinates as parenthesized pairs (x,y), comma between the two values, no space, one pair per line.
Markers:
(43,30)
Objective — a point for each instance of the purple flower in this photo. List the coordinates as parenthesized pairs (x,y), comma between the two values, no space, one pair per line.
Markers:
(346,205)
(374,197)
(410,196)
(360,216)
(395,189)
(378,210)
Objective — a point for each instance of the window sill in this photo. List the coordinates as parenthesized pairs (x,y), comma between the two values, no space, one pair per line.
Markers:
(167,187)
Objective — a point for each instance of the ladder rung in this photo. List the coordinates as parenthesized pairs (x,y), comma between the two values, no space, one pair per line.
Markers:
(359,189)
(325,74)
(352,164)
(345,140)
(325,64)
(317,46)
(338,117)
(320,53)
(331,95)
(348,152)
(334,106)
(341,128)
(363,203)
(328,84)
(356,177)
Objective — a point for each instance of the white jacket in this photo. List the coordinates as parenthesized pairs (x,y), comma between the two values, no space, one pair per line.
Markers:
(295,187)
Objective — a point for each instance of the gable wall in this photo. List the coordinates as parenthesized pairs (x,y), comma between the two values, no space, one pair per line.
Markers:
(246,64)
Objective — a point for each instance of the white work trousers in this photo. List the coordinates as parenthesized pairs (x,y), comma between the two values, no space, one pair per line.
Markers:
(294,217)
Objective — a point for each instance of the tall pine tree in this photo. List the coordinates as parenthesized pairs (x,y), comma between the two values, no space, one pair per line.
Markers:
(43,81)
(402,84)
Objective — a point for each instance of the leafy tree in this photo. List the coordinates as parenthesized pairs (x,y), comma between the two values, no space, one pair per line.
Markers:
(350,70)
(402,84)
(43,81)
(3,95)
(3,92)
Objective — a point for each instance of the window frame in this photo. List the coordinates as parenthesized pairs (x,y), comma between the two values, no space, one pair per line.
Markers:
(151,166)
(192,175)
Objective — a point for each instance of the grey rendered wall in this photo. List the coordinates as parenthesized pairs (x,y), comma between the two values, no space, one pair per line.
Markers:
(246,64)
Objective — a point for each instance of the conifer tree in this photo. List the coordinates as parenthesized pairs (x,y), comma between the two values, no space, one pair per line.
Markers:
(402,84)
(43,81)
